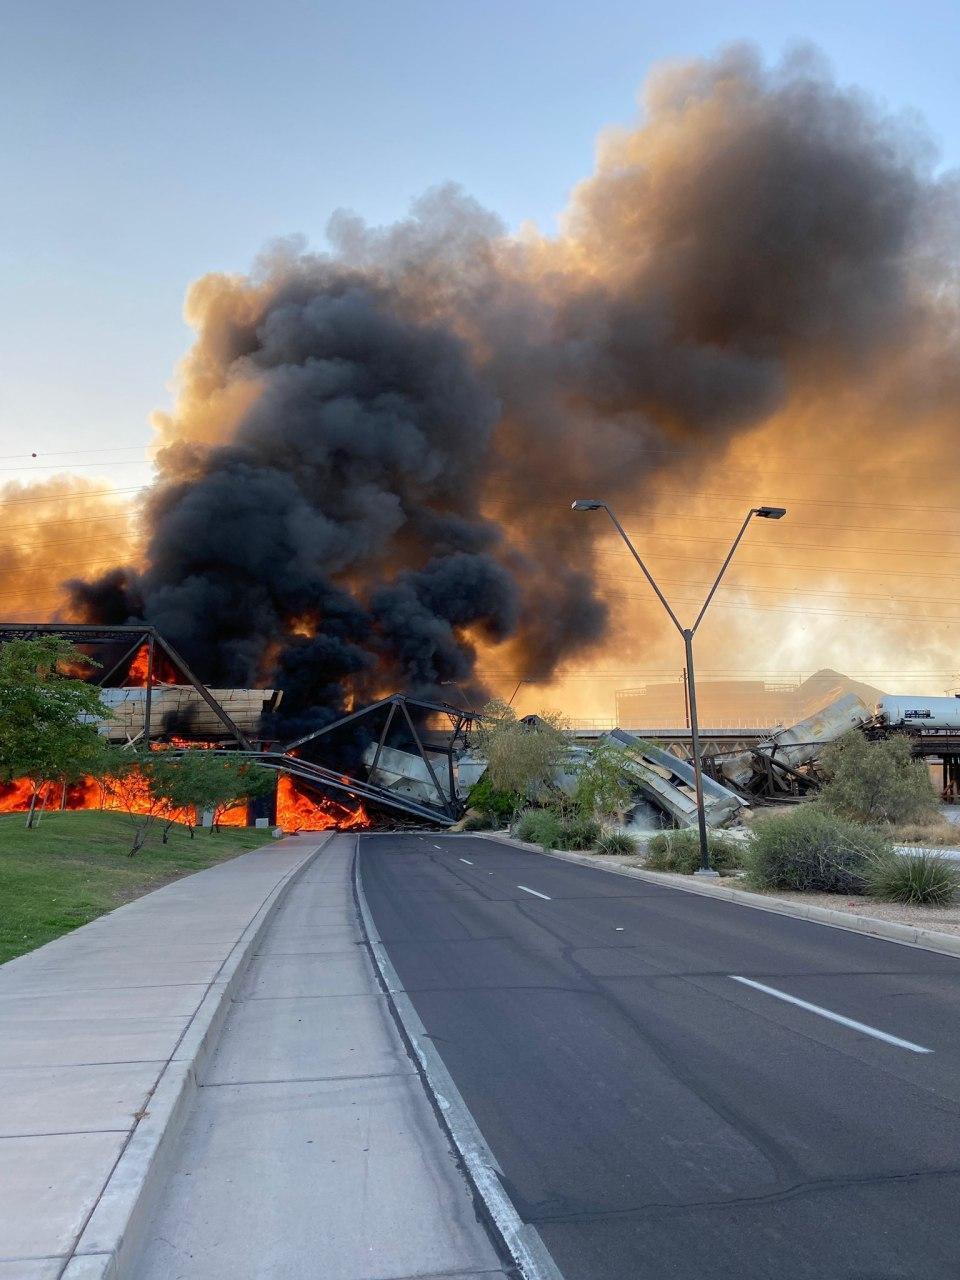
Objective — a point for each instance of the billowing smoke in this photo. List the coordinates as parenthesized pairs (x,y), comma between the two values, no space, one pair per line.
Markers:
(368,474)
(41,526)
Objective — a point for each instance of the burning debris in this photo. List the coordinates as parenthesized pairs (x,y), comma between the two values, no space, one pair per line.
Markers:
(297,811)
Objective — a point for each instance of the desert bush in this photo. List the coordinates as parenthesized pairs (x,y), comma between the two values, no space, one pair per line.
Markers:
(814,851)
(499,805)
(876,781)
(539,826)
(578,833)
(679,851)
(522,755)
(617,842)
(925,878)
(478,820)
(604,789)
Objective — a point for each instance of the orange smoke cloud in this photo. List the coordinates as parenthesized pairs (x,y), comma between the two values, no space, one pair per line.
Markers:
(54,530)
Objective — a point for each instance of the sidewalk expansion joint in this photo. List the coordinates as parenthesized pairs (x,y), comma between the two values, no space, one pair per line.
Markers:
(371,1075)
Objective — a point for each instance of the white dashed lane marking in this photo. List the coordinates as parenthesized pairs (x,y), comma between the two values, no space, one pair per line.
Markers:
(833,1017)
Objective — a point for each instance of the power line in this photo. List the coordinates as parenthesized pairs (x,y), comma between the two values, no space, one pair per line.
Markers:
(70,497)
(811,591)
(683,497)
(58,453)
(75,466)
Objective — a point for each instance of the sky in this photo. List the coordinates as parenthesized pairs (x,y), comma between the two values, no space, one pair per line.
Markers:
(143,145)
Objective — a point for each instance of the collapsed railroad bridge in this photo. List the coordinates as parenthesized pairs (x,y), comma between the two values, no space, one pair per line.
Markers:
(402,761)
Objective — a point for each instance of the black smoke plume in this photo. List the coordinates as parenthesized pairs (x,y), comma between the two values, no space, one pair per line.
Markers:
(368,473)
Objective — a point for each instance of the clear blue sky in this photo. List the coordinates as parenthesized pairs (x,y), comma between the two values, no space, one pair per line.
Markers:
(143,144)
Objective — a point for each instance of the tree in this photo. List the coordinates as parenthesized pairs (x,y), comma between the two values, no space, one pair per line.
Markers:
(127,778)
(604,788)
(523,756)
(204,779)
(183,784)
(240,781)
(876,781)
(48,728)
(168,787)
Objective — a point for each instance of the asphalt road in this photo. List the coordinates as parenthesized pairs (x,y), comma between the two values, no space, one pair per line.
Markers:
(655,1117)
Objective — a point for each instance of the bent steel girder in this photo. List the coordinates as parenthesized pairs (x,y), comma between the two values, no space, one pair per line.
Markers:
(328,779)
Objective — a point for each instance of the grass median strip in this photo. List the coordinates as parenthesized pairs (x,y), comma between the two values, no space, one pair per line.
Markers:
(74,867)
(833,1017)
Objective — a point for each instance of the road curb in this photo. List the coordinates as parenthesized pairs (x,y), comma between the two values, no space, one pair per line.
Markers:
(888,930)
(110,1241)
(521,1240)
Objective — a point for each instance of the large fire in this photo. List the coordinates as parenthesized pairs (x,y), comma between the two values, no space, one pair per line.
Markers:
(297,812)
(163,670)
(89,794)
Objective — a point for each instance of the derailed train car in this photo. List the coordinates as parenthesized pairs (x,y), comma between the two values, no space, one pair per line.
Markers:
(918,713)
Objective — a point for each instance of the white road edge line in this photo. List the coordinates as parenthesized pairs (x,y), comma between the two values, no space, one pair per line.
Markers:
(467,861)
(522,1240)
(534,892)
(833,1017)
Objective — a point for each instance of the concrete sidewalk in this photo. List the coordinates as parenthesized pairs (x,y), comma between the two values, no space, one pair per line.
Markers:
(311,1148)
(92,1024)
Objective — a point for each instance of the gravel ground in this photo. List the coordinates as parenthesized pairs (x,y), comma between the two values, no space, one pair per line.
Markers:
(942,919)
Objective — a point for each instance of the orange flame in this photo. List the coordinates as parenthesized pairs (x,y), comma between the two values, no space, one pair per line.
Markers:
(297,812)
(163,671)
(88,794)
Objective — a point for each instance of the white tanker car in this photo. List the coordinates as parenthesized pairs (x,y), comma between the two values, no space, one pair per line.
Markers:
(919,713)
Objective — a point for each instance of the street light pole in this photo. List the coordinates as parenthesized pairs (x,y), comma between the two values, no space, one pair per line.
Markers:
(765,513)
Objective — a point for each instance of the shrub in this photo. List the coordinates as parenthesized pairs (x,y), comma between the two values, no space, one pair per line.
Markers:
(578,833)
(617,842)
(814,851)
(679,851)
(876,781)
(478,820)
(539,826)
(604,788)
(499,805)
(924,877)
(522,755)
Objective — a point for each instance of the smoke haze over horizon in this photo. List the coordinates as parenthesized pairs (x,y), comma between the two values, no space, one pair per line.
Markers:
(365,481)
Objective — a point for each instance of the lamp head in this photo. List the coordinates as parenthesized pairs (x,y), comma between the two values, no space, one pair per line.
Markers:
(587,504)
(770,513)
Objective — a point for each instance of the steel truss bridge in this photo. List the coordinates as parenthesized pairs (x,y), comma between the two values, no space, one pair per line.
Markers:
(436,751)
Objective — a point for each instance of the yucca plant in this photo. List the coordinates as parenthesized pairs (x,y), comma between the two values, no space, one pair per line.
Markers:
(679,851)
(539,826)
(924,878)
(617,842)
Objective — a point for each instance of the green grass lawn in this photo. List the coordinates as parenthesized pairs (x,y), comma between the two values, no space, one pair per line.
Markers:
(74,867)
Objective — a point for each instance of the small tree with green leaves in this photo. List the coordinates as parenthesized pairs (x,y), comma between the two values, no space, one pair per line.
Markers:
(48,718)
(604,788)
(183,783)
(127,779)
(238,781)
(876,781)
(523,756)
(200,779)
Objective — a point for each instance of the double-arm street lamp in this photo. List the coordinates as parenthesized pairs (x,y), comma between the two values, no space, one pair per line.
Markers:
(765,513)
